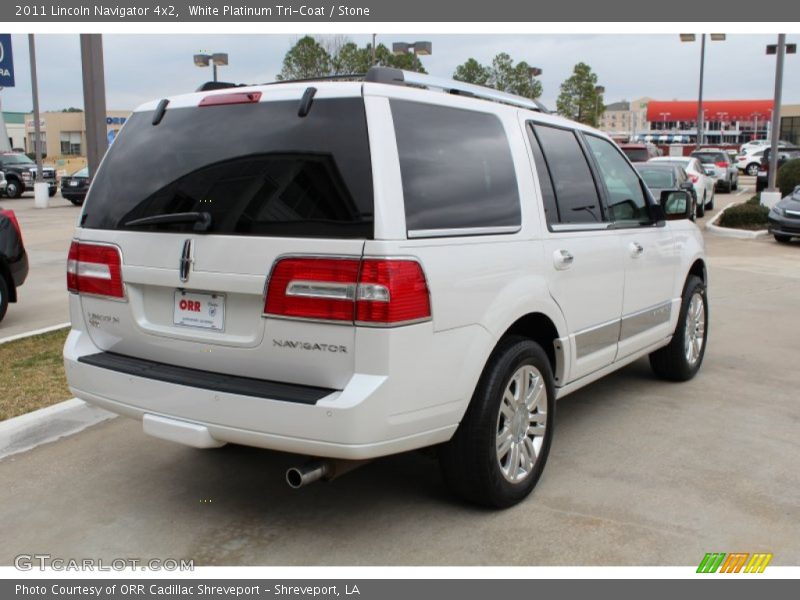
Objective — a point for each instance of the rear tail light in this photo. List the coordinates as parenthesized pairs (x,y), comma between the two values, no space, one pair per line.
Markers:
(721,164)
(9,214)
(694,177)
(372,291)
(95,269)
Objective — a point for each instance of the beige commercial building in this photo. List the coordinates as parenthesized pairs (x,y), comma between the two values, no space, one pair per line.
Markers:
(790,123)
(625,119)
(63,134)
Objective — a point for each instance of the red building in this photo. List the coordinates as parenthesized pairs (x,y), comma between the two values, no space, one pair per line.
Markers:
(725,121)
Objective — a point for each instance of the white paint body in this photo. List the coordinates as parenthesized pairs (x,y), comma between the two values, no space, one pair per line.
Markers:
(396,388)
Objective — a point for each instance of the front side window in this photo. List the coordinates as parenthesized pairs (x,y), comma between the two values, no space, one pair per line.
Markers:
(456,168)
(626,199)
(576,196)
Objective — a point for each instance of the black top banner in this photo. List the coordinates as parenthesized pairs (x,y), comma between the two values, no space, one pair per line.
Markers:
(316,11)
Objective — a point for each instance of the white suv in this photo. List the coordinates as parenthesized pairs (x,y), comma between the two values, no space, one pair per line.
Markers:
(347,270)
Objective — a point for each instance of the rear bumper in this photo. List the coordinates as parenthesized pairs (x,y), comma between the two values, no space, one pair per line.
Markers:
(373,415)
(19,269)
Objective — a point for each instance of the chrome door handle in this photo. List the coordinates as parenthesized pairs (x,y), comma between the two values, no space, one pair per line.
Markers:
(636,249)
(562,259)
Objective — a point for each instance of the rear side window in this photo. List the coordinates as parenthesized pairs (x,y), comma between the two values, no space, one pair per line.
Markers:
(456,168)
(256,169)
(576,195)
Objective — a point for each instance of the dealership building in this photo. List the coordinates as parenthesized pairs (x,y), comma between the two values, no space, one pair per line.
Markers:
(726,122)
(63,134)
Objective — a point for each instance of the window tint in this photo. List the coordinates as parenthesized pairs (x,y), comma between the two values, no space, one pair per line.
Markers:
(626,199)
(658,178)
(710,157)
(256,169)
(545,183)
(576,194)
(637,154)
(456,168)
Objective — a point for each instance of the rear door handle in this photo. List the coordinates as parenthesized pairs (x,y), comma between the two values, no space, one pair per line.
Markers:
(636,249)
(562,259)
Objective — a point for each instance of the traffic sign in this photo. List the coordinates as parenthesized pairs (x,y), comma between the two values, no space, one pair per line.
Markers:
(6,61)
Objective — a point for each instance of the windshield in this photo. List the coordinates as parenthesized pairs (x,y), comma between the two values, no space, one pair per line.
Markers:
(256,169)
(658,178)
(17,159)
(84,172)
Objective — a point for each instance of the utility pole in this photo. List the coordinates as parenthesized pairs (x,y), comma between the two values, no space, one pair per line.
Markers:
(37,126)
(700,124)
(94,99)
(776,113)
(372,53)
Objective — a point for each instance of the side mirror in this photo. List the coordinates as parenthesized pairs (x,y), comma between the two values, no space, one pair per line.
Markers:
(676,204)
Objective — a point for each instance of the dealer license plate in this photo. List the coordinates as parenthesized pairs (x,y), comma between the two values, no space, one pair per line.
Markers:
(206,311)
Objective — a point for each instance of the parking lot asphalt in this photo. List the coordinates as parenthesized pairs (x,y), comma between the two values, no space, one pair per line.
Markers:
(641,472)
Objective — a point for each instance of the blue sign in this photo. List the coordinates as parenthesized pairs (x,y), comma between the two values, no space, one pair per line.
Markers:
(6,61)
(111,135)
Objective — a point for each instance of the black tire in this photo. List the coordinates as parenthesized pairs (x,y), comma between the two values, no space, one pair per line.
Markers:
(469,461)
(3,297)
(51,193)
(76,201)
(14,188)
(701,208)
(752,169)
(783,239)
(735,183)
(710,205)
(671,362)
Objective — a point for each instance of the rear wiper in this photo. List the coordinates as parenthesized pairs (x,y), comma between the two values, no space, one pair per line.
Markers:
(202,220)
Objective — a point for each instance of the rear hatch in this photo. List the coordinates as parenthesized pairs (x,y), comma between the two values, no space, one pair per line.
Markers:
(201,199)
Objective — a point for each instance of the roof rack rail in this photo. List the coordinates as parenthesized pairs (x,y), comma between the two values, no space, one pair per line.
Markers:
(399,77)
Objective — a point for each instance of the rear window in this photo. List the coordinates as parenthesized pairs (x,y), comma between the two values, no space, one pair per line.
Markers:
(710,157)
(658,178)
(456,168)
(256,169)
(636,154)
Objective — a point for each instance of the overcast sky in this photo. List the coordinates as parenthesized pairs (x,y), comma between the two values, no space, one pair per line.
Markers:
(142,67)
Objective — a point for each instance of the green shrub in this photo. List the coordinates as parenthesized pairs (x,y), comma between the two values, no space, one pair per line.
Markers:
(788,177)
(745,216)
(754,201)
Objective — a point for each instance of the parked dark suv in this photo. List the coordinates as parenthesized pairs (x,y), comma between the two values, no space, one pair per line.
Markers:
(20,173)
(13,259)
(785,154)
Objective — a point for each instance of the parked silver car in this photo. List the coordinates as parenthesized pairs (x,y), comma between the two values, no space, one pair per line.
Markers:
(725,170)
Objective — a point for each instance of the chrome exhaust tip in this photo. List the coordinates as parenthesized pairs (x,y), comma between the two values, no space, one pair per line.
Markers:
(298,477)
(315,470)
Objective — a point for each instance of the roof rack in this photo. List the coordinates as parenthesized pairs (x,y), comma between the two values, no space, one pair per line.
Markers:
(394,76)
(451,86)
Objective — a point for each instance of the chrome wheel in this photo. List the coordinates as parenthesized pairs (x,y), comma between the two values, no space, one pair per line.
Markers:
(521,423)
(694,336)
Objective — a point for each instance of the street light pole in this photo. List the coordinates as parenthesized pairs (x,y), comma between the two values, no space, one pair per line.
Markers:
(37,127)
(700,123)
(776,113)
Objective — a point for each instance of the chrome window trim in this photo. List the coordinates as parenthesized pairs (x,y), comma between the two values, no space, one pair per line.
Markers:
(562,227)
(463,231)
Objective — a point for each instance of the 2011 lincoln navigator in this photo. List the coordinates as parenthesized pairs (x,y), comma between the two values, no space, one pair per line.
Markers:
(350,269)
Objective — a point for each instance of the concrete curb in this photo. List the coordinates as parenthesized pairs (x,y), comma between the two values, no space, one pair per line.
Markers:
(728,232)
(20,336)
(49,424)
